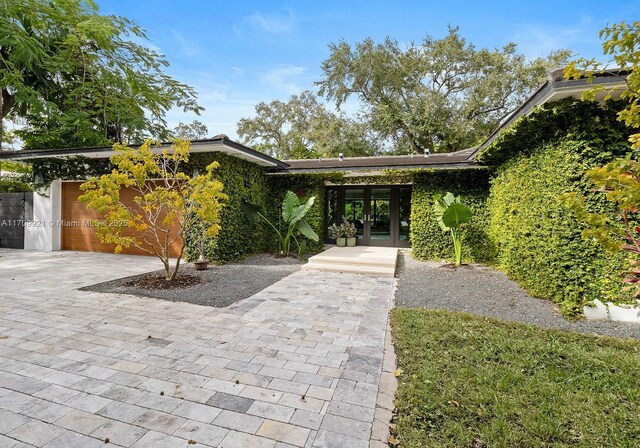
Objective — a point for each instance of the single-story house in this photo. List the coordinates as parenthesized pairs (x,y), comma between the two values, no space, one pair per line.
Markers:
(374,192)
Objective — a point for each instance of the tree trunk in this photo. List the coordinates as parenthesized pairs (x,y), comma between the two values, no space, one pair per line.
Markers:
(174,274)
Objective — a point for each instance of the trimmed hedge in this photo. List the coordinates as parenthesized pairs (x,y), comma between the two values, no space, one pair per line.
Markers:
(538,241)
(428,241)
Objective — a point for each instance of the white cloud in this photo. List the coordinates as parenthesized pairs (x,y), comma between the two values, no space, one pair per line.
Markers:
(539,40)
(272,23)
(238,71)
(225,102)
(221,116)
(186,47)
(281,78)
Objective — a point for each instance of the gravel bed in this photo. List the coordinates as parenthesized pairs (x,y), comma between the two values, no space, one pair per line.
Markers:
(481,290)
(222,285)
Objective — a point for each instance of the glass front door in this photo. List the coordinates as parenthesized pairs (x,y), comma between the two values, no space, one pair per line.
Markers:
(354,209)
(381,214)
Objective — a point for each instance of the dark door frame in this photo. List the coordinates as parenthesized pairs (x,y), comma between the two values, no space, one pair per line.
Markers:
(394,214)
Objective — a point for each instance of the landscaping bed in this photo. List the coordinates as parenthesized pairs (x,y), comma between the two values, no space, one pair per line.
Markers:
(473,381)
(481,290)
(218,286)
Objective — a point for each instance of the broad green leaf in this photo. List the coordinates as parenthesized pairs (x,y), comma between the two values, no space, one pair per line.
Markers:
(250,210)
(306,230)
(289,204)
(456,214)
(300,211)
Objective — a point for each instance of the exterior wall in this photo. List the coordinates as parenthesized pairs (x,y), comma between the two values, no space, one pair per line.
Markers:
(45,232)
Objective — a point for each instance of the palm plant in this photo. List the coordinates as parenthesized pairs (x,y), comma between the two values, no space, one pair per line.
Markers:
(293,213)
(451,213)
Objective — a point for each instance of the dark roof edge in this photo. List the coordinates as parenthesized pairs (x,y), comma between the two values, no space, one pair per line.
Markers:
(364,169)
(552,84)
(221,140)
(242,148)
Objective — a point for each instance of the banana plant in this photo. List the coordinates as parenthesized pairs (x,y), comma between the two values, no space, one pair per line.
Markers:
(293,213)
(450,213)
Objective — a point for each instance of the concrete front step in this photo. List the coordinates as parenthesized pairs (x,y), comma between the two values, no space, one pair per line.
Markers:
(379,261)
(371,270)
(320,259)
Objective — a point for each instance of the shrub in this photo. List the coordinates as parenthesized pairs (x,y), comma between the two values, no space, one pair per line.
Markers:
(538,241)
(11,185)
(243,181)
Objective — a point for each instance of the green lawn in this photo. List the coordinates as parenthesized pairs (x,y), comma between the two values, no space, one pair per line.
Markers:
(470,381)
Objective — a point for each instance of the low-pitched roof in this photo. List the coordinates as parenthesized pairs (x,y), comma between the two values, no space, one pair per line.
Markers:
(452,160)
(219,143)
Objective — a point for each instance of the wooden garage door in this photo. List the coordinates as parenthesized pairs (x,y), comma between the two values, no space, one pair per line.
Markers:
(76,235)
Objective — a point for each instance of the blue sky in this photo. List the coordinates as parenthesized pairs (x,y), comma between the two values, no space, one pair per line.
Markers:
(238,54)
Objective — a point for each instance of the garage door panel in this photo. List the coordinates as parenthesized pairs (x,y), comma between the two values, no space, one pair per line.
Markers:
(78,235)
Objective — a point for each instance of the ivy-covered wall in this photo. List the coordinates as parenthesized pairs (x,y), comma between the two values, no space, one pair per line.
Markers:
(242,180)
(538,241)
(428,241)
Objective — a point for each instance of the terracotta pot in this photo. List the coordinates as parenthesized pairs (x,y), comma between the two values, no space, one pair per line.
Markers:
(201,265)
(341,242)
(351,242)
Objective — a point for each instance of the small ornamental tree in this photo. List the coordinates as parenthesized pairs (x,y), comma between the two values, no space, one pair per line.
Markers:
(167,205)
(620,179)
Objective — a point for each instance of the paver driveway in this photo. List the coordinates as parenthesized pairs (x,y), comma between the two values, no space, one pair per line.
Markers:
(297,364)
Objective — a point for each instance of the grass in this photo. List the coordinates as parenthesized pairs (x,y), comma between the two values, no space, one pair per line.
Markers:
(476,382)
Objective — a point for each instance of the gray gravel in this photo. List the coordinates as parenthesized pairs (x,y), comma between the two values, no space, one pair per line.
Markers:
(223,285)
(481,290)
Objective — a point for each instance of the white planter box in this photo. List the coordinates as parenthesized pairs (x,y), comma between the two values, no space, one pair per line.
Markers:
(609,311)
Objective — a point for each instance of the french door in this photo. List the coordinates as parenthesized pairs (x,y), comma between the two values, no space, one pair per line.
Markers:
(381,214)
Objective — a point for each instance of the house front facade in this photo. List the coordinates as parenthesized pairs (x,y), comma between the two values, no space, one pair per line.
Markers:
(377,194)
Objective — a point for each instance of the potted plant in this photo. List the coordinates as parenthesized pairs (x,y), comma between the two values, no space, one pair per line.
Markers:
(336,232)
(349,231)
(201,264)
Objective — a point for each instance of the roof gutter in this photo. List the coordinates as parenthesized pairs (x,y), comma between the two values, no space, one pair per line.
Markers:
(107,151)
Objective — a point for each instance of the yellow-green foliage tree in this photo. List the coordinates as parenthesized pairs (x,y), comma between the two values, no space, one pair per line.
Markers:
(620,179)
(168,202)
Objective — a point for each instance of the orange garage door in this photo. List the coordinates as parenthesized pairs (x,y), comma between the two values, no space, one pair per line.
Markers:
(77,235)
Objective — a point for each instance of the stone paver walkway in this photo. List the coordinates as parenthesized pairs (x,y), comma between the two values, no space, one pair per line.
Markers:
(298,364)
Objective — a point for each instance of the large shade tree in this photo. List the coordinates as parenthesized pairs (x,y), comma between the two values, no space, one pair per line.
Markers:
(303,128)
(439,95)
(80,78)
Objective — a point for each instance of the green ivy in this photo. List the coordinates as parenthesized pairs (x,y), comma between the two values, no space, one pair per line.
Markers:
(304,186)
(238,236)
(538,241)
(68,168)
(428,241)
(242,180)
(568,118)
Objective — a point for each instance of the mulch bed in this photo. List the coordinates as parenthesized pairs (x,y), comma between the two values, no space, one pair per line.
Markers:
(218,286)
(153,281)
